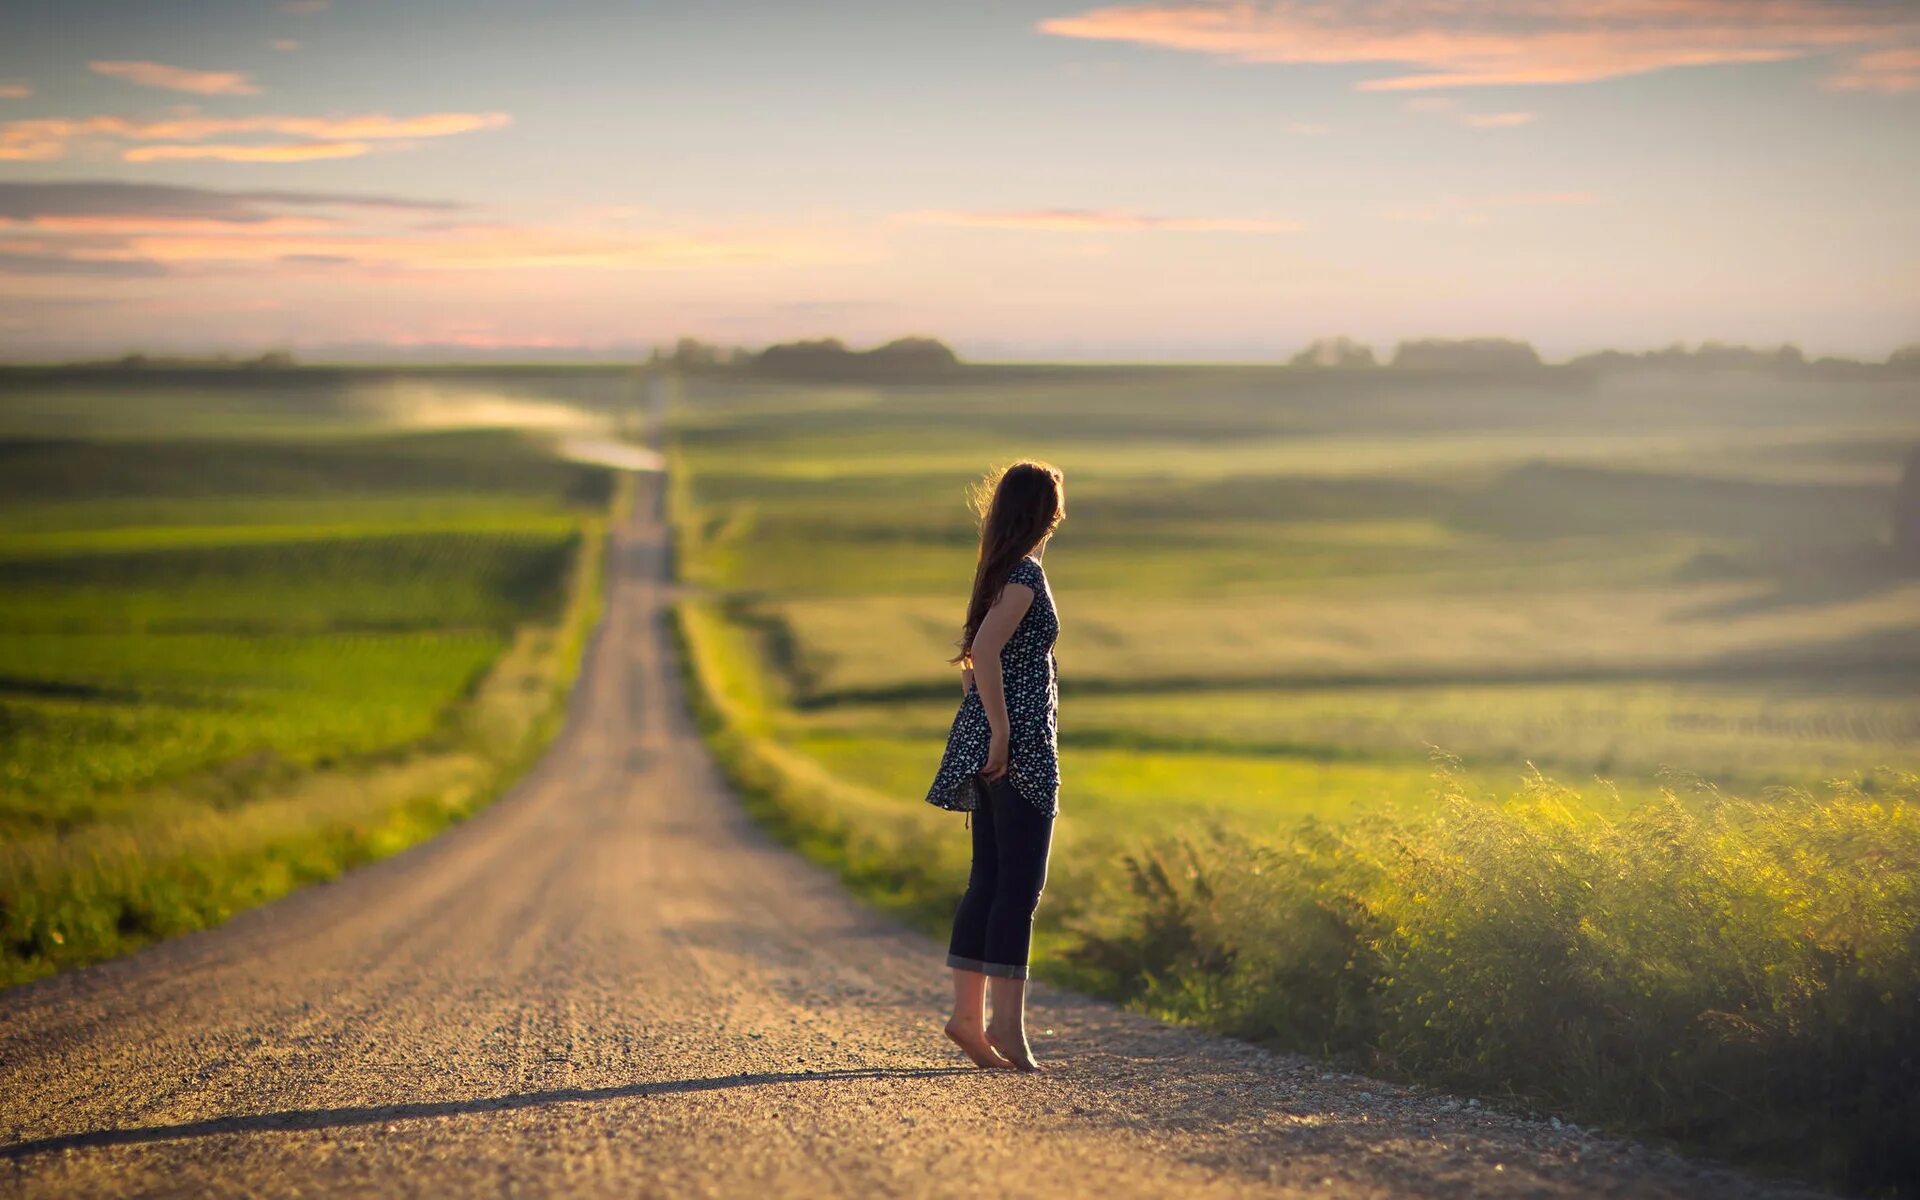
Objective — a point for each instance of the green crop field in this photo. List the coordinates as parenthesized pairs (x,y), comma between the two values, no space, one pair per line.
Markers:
(1278,570)
(1633,650)
(257,627)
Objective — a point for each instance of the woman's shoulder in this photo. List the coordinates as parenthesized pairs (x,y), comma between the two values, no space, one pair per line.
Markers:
(1028,571)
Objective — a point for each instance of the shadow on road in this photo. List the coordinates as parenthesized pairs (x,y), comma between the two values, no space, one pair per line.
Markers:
(340,1118)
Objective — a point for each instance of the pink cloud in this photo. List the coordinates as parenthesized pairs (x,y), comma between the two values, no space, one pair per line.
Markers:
(113,224)
(1881,71)
(1449,107)
(47,138)
(499,248)
(252,152)
(15,91)
(129,230)
(1502,42)
(1082,220)
(178,79)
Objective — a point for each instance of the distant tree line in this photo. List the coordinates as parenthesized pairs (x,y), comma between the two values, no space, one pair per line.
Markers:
(692,354)
(815,358)
(911,357)
(1507,354)
(1422,354)
(831,356)
(271,360)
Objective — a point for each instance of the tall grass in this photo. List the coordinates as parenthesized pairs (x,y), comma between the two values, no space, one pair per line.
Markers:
(890,852)
(1739,975)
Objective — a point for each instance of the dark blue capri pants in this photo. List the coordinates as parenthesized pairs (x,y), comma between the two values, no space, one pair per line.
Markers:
(993,927)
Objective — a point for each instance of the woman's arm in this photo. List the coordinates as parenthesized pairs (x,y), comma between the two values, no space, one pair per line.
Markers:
(995,628)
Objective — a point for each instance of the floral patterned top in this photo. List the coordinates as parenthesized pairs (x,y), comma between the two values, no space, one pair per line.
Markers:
(1029,675)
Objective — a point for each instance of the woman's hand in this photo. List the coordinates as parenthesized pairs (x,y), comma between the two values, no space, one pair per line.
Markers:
(996,757)
(966,680)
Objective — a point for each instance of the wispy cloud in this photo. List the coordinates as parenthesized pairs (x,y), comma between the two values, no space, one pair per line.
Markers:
(513,248)
(305,6)
(31,201)
(284,45)
(1505,42)
(49,138)
(1882,71)
(1450,108)
(1087,220)
(15,91)
(116,229)
(178,79)
(252,152)
(27,263)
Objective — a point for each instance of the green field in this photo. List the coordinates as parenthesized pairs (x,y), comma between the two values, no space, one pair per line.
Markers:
(256,629)
(1606,605)
(1281,573)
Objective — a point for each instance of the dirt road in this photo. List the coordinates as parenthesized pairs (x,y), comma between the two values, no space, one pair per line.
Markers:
(610,983)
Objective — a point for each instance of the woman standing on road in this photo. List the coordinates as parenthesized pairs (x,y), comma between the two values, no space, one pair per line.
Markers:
(1002,764)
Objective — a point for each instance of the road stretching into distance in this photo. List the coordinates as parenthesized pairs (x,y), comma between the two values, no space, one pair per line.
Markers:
(612,983)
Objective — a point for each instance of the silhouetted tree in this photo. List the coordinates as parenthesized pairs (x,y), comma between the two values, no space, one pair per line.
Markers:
(804,357)
(827,357)
(692,354)
(1708,356)
(1606,360)
(1335,352)
(914,353)
(1468,354)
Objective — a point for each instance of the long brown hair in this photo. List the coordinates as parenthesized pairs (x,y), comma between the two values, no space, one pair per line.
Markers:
(1019,507)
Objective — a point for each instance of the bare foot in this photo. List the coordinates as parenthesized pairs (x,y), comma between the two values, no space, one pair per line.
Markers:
(973,1042)
(1012,1046)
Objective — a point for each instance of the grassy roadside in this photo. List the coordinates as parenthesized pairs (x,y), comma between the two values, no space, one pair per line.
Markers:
(200,850)
(902,858)
(1736,977)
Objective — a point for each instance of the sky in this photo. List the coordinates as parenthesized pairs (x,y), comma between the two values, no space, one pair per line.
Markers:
(1168,180)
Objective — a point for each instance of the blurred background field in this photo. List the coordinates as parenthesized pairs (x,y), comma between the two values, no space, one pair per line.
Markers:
(1276,576)
(258,626)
